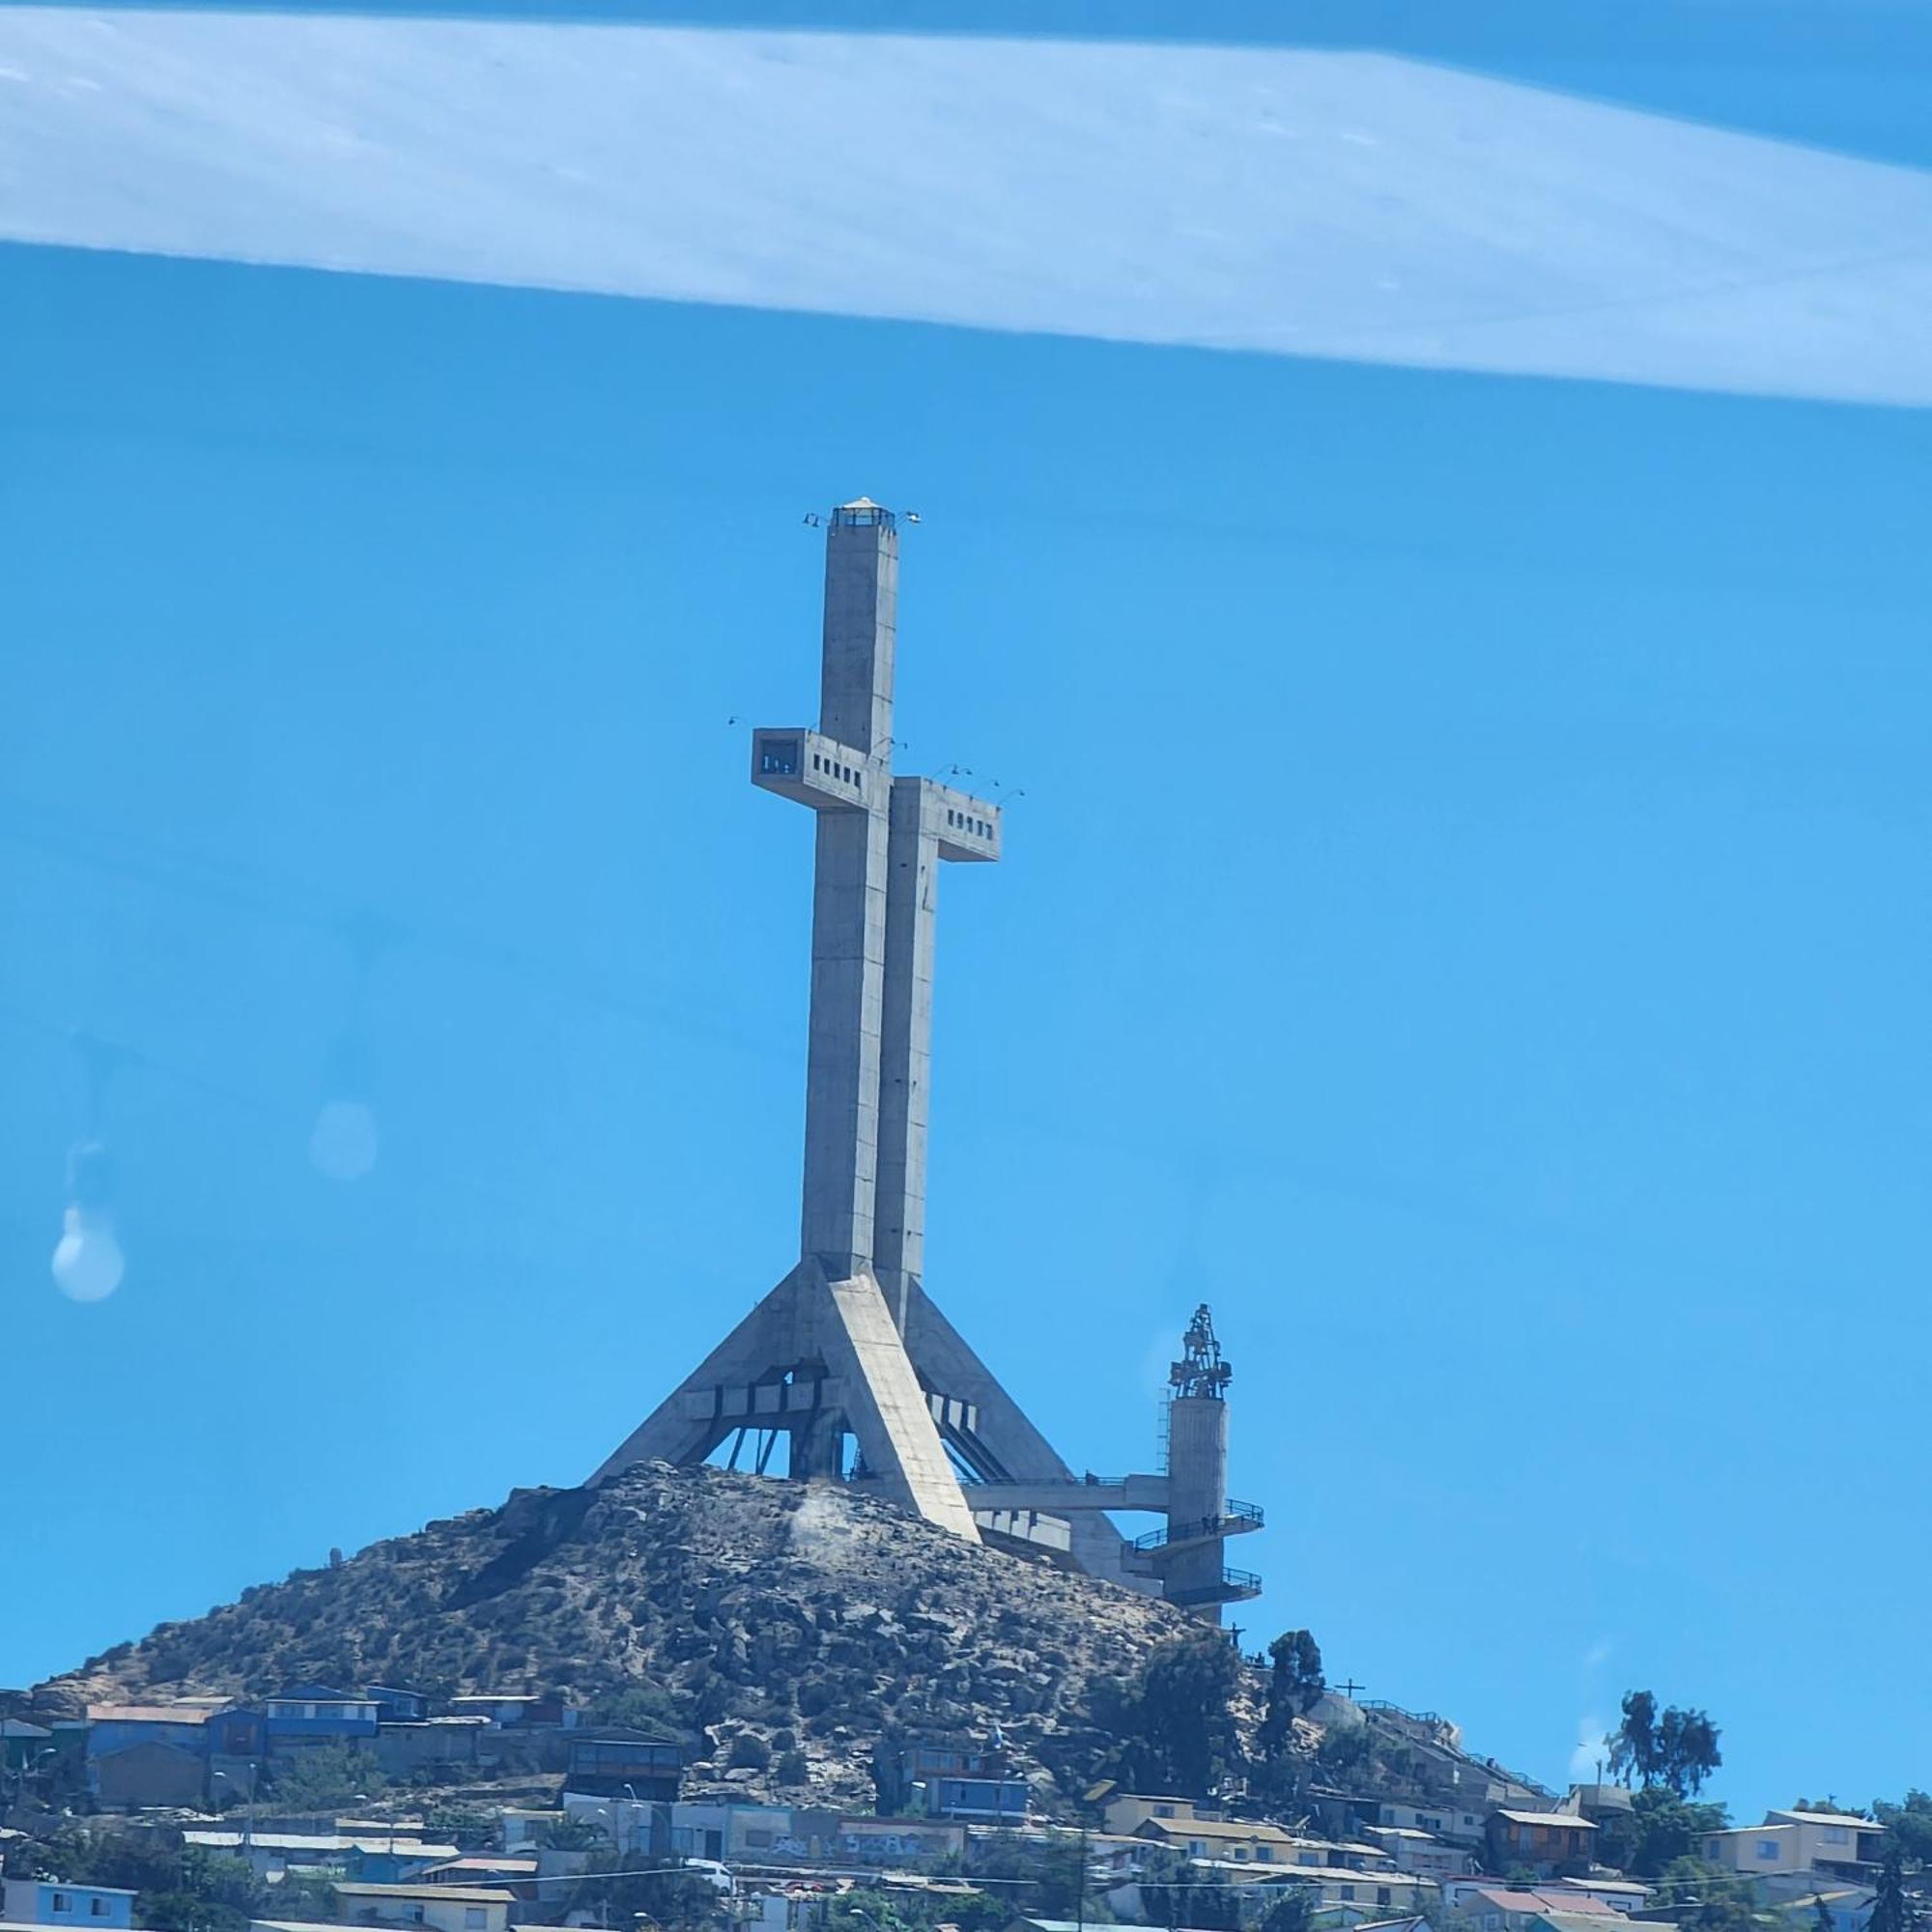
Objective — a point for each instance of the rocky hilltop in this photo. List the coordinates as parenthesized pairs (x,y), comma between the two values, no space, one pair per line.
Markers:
(787,1629)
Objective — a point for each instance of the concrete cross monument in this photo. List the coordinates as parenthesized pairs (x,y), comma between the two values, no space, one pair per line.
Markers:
(849,1348)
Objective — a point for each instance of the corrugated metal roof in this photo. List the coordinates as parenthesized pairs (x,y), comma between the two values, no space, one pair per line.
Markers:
(150,1714)
(464,1894)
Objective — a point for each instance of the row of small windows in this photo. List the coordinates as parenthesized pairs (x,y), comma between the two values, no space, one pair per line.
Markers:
(965,819)
(835,770)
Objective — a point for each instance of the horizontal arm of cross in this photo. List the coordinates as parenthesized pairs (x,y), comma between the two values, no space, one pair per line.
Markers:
(966,827)
(815,769)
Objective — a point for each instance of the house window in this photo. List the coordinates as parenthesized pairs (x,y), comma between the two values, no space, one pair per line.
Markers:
(1382,1894)
(1265,1853)
(63,1902)
(472,1919)
(1836,1834)
(1163,1811)
(96,1908)
(1767,1848)
(778,756)
(1348,1891)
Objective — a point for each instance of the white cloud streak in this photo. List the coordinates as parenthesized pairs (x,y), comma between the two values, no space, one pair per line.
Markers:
(1293,202)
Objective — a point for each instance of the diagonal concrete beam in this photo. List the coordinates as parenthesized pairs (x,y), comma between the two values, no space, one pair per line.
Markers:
(770,1335)
(944,1361)
(885,1407)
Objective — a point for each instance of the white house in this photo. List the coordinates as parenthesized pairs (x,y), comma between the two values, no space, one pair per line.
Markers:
(1789,1841)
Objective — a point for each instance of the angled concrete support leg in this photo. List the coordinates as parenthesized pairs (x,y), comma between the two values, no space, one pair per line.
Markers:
(770,1335)
(885,1407)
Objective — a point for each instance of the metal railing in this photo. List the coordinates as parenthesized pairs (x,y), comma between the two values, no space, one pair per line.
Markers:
(1247,1515)
(1234,1585)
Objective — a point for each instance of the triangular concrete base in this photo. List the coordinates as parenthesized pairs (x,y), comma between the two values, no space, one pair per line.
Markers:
(818,1357)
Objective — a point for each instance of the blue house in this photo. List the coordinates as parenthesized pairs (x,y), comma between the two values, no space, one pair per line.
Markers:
(115,1728)
(22,1743)
(398,1704)
(52,1901)
(978,1801)
(314,1714)
(975,1786)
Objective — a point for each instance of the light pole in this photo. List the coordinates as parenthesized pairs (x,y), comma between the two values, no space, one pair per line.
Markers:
(30,1768)
(215,1778)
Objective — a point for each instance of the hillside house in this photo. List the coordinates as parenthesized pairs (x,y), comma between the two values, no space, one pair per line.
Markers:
(949,1782)
(374,1858)
(1849,1906)
(1350,1894)
(1492,1907)
(1795,1841)
(523,1828)
(137,1777)
(1620,1894)
(1126,1812)
(397,1703)
(114,1727)
(1226,1840)
(1414,1850)
(606,1761)
(502,1869)
(511,1712)
(404,1744)
(1453,1819)
(310,1714)
(1545,1842)
(48,1901)
(440,1908)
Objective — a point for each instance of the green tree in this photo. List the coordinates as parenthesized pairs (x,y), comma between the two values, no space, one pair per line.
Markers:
(325,1777)
(467,1824)
(572,1834)
(1702,1899)
(1665,1829)
(1187,1693)
(1039,1879)
(1173,1727)
(1291,1911)
(1634,1742)
(1892,1909)
(1676,1748)
(1175,1892)
(1909,1825)
(644,1706)
(663,1889)
(176,1889)
(1345,1750)
(1294,1688)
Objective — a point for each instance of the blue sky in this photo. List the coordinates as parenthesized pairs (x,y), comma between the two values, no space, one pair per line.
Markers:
(1465,919)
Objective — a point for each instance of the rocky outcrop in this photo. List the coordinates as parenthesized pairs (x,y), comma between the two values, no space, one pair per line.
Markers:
(787,1629)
